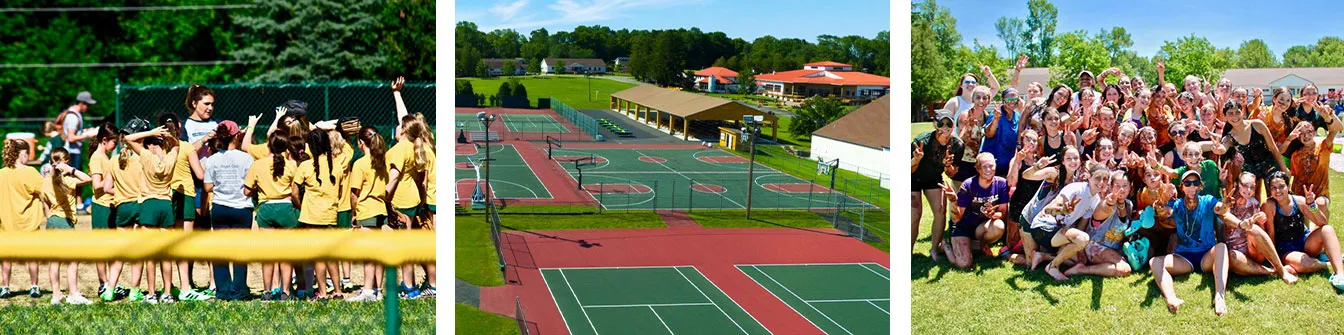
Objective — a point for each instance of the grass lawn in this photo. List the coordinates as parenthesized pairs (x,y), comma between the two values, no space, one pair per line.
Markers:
(473,321)
(475,252)
(1035,303)
(572,90)
(253,317)
(860,187)
(785,138)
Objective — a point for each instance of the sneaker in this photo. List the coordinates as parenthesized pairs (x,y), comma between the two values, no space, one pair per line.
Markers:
(300,295)
(363,296)
(102,288)
(107,295)
(1337,280)
(193,295)
(120,293)
(209,292)
(346,285)
(34,291)
(77,300)
(284,297)
(136,295)
(331,285)
(267,297)
(167,298)
(56,298)
(4,292)
(151,299)
(428,292)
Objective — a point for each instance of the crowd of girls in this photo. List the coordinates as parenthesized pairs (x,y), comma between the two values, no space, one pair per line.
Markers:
(1106,179)
(202,173)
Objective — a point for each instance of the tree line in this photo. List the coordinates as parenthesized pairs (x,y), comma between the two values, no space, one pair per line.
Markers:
(938,55)
(661,56)
(280,41)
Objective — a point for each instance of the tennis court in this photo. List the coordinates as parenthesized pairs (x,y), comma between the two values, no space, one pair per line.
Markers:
(645,300)
(510,175)
(690,179)
(519,123)
(853,298)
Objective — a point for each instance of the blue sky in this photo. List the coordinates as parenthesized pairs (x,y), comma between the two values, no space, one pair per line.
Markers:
(1281,24)
(747,19)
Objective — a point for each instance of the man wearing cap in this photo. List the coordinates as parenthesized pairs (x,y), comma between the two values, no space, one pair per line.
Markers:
(1085,80)
(73,132)
(1001,133)
(934,153)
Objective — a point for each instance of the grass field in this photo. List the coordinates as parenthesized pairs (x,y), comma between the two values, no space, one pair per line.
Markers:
(474,321)
(476,260)
(572,90)
(1010,300)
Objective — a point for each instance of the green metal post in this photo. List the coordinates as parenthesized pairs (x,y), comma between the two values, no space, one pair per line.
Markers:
(326,102)
(391,305)
(118,101)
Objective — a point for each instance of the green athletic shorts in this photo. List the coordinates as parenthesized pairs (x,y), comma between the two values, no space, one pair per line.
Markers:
(156,213)
(56,222)
(343,219)
(184,208)
(373,222)
(127,214)
(102,217)
(408,211)
(432,208)
(277,215)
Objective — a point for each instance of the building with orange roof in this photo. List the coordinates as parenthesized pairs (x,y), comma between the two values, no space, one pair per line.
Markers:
(716,79)
(823,78)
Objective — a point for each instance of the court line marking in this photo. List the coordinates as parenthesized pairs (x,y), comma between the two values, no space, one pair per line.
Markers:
(740,268)
(647,305)
(879,274)
(534,172)
(880,307)
(660,320)
(692,180)
(845,300)
(576,300)
(716,305)
(557,302)
(795,295)
(730,298)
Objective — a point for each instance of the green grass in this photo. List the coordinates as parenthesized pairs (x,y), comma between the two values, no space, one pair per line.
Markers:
(760,219)
(799,142)
(474,321)
(572,90)
(475,252)
(920,128)
(775,157)
(253,317)
(875,220)
(1132,304)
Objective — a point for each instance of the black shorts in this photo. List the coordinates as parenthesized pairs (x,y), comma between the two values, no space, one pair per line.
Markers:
(965,228)
(918,184)
(1042,238)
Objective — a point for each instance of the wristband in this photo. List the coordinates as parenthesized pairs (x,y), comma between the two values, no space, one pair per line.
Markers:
(1313,208)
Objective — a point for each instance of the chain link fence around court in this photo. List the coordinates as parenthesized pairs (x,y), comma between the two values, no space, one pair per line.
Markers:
(371,101)
(585,123)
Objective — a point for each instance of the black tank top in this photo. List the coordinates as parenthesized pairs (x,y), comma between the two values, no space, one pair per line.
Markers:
(1288,227)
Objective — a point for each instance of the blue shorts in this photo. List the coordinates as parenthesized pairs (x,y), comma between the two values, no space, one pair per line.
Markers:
(1195,258)
(1298,244)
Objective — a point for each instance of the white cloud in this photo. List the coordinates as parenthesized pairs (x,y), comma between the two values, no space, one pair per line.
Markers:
(507,11)
(564,12)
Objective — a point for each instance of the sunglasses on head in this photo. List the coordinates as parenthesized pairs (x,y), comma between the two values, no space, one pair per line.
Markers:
(945,124)
(1195,182)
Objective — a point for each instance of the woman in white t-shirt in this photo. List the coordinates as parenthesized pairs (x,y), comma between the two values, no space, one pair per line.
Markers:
(225,172)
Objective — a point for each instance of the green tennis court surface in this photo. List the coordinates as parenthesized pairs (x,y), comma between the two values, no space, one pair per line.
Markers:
(838,298)
(692,178)
(469,121)
(510,176)
(536,123)
(650,300)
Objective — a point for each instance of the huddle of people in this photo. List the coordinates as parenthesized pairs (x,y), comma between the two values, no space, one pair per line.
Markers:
(201,173)
(1115,177)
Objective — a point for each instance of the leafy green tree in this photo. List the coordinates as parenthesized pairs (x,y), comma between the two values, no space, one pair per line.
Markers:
(1298,56)
(1255,54)
(505,89)
(467,57)
(505,43)
(518,89)
(1329,52)
(1077,52)
(508,68)
(816,112)
(407,39)
(559,67)
(1033,36)
(309,40)
(746,82)
(1192,55)
(928,69)
(1116,41)
(534,65)
(463,87)
(481,69)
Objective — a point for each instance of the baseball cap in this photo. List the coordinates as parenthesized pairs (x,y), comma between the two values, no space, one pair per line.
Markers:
(1189,173)
(230,127)
(85,97)
(1086,72)
(942,114)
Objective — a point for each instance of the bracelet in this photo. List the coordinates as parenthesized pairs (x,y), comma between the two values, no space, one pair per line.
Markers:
(1313,208)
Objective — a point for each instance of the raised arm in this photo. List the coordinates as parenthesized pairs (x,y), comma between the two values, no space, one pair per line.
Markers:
(1161,72)
(397,85)
(251,129)
(1017,70)
(133,140)
(993,81)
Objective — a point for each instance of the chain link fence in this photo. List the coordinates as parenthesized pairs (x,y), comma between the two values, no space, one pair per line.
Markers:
(372,102)
(585,123)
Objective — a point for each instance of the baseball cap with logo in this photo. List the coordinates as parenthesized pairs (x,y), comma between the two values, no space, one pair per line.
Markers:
(86,97)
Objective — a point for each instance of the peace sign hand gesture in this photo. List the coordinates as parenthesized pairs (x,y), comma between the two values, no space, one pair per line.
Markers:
(948,193)
(985,68)
(1224,171)
(1311,196)
(1089,135)
(1021,63)
(918,152)
(1044,162)
(1161,65)
(1070,204)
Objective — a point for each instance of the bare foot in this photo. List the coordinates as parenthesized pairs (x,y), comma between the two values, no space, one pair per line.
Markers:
(1019,259)
(1074,269)
(1288,276)
(1054,272)
(1174,304)
(1219,305)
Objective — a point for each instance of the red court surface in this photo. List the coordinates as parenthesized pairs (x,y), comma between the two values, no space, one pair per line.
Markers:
(714,252)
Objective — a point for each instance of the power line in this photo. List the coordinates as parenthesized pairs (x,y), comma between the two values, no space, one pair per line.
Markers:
(151,64)
(119,9)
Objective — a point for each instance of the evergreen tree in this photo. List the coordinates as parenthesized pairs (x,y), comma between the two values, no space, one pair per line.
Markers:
(309,40)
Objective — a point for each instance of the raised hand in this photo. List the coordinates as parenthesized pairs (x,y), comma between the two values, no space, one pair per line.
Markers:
(1161,65)
(1044,162)
(1311,196)
(1071,204)
(252,120)
(1089,135)
(1256,92)
(985,68)
(398,84)
(1021,63)
(1223,170)
(918,152)
(280,111)
(948,192)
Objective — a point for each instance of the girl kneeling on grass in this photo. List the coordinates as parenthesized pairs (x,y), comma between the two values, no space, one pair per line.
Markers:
(978,215)
(59,196)
(158,153)
(20,207)
(225,172)
(270,180)
(368,194)
(319,177)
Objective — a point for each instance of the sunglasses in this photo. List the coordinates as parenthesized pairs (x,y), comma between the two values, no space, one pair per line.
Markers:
(968,82)
(1010,99)
(1192,183)
(1180,132)
(944,124)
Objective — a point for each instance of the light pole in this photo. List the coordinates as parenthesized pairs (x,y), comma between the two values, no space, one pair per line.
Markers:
(485,121)
(751,132)
(590,85)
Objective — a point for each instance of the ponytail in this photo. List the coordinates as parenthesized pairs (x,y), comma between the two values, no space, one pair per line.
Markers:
(377,149)
(11,152)
(125,154)
(278,145)
(60,155)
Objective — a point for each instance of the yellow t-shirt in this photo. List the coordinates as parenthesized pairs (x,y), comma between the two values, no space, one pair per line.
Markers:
(258,151)
(261,179)
(372,187)
(20,194)
(101,164)
(430,182)
(402,158)
(321,193)
(61,205)
(184,180)
(129,181)
(343,162)
(158,175)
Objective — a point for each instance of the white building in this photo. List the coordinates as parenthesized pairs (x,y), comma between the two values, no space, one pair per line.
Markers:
(716,79)
(574,65)
(1325,78)
(860,140)
(622,64)
(495,66)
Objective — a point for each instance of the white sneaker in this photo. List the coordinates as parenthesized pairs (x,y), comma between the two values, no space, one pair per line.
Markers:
(77,300)
(56,298)
(363,296)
